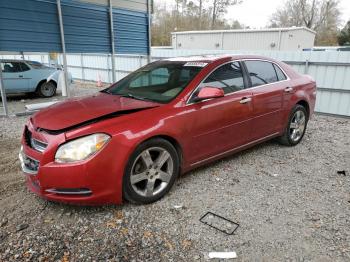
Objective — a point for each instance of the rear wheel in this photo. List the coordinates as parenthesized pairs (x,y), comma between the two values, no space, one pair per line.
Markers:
(46,89)
(296,127)
(151,171)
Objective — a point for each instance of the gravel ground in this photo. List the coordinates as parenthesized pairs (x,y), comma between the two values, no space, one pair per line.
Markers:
(290,203)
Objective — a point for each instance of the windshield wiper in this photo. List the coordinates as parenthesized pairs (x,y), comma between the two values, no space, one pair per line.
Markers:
(133,96)
(106,91)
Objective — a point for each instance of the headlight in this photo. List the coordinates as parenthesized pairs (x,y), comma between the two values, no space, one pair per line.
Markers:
(81,148)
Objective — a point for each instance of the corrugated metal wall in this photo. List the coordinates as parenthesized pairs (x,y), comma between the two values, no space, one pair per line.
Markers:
(86,26)
(292,39)
(131,32)
(29,25)
(136,5)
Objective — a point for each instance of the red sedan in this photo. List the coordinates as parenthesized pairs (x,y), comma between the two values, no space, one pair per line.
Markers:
(131,140)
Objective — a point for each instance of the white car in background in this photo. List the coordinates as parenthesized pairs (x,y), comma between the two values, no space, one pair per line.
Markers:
(24,76)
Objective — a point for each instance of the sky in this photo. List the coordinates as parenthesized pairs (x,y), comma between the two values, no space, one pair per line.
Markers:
(257,13)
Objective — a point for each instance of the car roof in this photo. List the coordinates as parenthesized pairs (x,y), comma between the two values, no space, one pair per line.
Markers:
(216,57)
(12,60)
(18,60)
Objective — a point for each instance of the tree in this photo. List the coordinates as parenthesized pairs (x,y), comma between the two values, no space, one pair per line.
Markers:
(322,16)
(190,15)
(344,35)
(219,7)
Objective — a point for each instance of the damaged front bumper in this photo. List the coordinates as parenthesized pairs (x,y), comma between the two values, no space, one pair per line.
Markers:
(90,182)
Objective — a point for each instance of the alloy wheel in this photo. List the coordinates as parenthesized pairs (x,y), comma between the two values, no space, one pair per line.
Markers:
(297,126)
(151,171)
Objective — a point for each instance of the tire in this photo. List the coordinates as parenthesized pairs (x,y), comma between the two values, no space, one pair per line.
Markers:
(46,89)
(151,171)
(296,126)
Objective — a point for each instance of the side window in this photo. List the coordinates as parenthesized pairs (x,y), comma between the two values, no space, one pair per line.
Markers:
(280,75)
(229,77)
(36,65)
(11,67)
(24,67)
(261,72)
(159,76)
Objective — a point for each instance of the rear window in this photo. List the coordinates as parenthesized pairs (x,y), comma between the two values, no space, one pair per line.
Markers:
(261,72)
(158,76)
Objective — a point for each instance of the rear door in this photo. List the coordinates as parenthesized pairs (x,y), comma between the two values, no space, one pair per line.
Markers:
(268,94)
(14,81)
(224,123)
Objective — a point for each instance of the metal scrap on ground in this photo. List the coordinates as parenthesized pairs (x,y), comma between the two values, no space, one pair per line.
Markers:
(38,106)
(219,223)
(222,254)
(32,108)
(341,172)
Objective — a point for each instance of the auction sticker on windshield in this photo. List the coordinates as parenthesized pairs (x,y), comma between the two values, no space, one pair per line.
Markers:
(198,64)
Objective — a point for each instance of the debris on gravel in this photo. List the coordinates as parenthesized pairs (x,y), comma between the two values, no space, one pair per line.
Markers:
(289,202)
(341,172)
(3,222)
(21,227)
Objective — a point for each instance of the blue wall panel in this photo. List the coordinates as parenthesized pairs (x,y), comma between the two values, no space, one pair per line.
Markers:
(32,25)
(130,31)
(27,25)
(86,27)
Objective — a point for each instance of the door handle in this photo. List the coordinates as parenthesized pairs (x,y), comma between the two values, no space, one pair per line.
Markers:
(245,100)
(288,89)
(20,76)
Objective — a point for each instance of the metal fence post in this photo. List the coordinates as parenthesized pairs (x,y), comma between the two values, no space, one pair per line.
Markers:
(149,12)
(140,61)
(109,69)
(82,67)
(3,94)
(65,92)
(306,68)
(112,39)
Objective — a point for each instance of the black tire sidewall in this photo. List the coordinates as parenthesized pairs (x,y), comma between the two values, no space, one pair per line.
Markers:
(294,110)
(128,192)
(42,85)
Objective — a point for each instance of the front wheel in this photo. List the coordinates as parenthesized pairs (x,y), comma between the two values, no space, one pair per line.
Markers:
(151,171)
(296,126)
(46,89)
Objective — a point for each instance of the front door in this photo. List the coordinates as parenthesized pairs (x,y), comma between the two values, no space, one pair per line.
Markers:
(224,123)
(14,80)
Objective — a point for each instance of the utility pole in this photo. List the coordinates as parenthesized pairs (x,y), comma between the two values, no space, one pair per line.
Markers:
(65,89)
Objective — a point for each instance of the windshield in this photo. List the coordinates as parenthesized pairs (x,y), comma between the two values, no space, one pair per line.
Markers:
(160,81)
(36,65)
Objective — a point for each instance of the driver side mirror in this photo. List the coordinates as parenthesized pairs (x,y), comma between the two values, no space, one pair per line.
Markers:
(209,92)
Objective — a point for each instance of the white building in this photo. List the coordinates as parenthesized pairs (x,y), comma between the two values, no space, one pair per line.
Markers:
(284,39)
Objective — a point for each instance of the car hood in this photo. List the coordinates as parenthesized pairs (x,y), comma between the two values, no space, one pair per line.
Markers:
(79,111)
